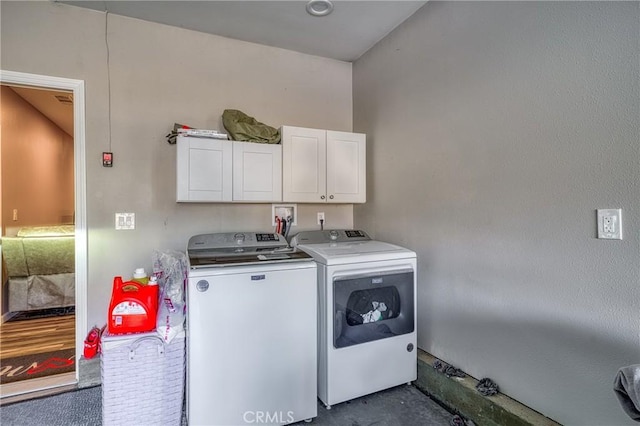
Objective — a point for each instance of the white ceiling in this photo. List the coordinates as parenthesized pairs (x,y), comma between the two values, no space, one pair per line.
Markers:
(349,31)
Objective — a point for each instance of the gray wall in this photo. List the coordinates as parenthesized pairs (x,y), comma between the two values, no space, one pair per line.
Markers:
(494,132)
(161,75)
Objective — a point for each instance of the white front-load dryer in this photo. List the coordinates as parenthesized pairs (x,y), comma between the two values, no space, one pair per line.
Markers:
(366,313)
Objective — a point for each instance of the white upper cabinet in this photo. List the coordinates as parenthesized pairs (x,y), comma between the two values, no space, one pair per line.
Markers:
(304,170)
(310,166)
(212,170)
(257,172)
(204,169)
(346,167)
(321,166)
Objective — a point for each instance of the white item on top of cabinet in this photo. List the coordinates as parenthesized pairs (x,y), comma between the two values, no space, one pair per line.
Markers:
(323,166)
(204,169)
(257,172)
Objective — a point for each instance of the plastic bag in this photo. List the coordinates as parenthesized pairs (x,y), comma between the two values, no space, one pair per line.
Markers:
(173,135)
(171,269)
(241,127)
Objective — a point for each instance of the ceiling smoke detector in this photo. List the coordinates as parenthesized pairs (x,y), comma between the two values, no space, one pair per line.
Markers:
(319,7)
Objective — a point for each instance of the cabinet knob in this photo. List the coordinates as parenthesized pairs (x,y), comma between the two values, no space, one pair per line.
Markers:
(322,197)
(331,197)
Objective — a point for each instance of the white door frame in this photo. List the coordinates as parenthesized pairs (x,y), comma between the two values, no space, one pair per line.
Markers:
(77,87)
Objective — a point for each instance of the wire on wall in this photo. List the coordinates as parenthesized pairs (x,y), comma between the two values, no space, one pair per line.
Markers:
(106,42)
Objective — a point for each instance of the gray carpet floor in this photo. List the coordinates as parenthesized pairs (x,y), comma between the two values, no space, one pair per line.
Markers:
(399,406)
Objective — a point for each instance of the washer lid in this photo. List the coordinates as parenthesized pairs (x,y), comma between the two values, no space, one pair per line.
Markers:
(240,248)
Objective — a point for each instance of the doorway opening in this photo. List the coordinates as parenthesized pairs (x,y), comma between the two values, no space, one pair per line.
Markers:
(43,238)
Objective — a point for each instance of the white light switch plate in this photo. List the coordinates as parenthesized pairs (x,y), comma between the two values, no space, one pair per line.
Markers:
(125,221)
(610,224)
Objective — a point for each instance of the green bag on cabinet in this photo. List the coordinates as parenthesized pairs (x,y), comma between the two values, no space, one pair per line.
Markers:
(241,127)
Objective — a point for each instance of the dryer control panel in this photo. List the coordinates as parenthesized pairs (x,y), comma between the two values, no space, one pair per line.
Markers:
(329,236)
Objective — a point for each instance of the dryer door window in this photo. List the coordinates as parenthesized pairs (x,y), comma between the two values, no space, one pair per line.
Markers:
(372,307)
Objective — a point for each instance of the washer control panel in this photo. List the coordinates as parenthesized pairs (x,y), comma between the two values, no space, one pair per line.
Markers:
(231,240)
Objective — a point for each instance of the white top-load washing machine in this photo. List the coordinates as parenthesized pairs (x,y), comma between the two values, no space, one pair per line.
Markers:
(251,331)
(366,313)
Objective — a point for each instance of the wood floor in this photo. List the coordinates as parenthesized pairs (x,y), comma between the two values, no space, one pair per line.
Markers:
(37,335)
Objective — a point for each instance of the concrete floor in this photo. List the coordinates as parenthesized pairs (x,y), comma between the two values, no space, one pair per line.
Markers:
(399,406)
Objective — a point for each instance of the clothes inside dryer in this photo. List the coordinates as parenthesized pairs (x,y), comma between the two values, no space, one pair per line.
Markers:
(372,307)
(365,306)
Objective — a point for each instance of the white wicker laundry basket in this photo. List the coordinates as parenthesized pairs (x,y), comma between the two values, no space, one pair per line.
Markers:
(142,379)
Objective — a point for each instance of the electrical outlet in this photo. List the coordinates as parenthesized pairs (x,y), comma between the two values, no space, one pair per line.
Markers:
(320,218)
(15,214)
(610,224)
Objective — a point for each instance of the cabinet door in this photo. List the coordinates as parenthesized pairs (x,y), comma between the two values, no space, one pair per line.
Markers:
(257,172)
(303,165)
(346,167)
(204,169)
